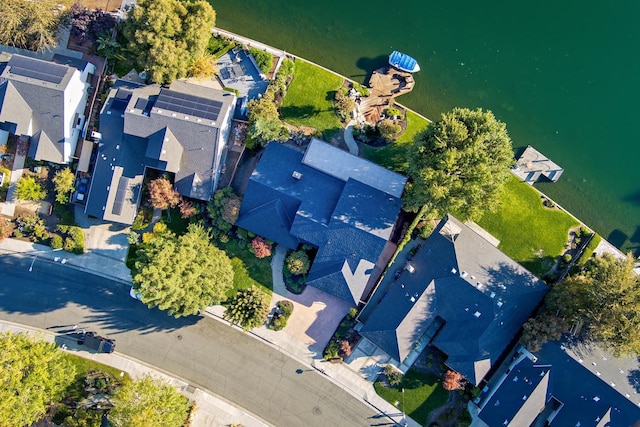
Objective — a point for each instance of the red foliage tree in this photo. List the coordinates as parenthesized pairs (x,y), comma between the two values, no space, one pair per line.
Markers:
(162,195)
(453,381)
(187,209)
(261,248)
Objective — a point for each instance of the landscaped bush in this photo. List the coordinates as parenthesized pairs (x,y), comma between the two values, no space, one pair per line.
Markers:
(263,58)
(387,129)
(298,263)
(56,242)
(283,311)
(344,104)
(394,376)
(74,238)
(6,228)
(142,219)
(260,248)
(32,227)
(219,45)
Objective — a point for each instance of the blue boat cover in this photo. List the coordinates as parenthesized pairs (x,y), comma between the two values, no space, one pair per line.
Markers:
(402,61)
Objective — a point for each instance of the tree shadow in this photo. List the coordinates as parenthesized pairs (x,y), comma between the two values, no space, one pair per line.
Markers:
(617,238)
(369,65)
(298,112)
(634,378)
(50,287)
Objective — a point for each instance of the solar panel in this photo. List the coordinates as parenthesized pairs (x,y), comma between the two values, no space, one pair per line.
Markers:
(141,103)
(36,69)
(188,105)
(120,195)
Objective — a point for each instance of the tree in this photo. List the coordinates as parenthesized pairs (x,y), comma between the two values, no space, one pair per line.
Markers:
(388,129)
(263,58)
(459,165)
(184,274)
(34,375)
(162,195)
(90,24)
(187,209)
(202,66)
(604,296)
(248,308)
(165,36)
(264,120)
(298,262)
(30,189)
(453,381)
(394,376)
(31,25)
(63,182)
(344,104)
(148,402)
(83,418)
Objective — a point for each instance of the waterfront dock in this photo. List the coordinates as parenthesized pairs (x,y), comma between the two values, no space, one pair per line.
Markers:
(385,84)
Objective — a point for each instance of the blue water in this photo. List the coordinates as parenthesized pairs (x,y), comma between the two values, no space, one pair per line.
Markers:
(563,75)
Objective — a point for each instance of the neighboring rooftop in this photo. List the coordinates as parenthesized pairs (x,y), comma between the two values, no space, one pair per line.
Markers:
(459,293)
(181,130)
(532,166)
(326,197)
(556,389)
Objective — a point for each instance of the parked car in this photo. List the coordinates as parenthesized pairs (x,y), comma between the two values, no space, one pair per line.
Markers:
(96,342)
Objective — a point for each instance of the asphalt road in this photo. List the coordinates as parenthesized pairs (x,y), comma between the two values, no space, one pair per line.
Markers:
(203,351)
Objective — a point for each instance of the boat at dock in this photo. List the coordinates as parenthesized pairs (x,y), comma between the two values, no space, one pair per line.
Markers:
(403,62)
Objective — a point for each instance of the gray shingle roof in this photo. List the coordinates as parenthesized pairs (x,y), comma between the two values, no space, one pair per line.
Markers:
(290,201)
(480,295)
(555,381)
(33,106)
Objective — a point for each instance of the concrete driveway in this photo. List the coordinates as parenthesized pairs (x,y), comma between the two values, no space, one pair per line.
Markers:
(103,238)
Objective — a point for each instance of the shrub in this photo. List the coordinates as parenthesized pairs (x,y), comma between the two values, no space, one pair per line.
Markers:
(331,351)
(388,129)
(345,347)
(6,228)
(56,242)
(393,375)
(74,238)
(392,112)
(453,381)
(344,105)
(140,222)
(263,58)
(298,263)
(260,248)
(187,209)
(32,227)
(133,238)
(362,90)
(283,311)
(286,307)
(28,188)
(353,312)
(248,308)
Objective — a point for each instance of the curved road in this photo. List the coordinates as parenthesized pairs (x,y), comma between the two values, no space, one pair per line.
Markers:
(204,352)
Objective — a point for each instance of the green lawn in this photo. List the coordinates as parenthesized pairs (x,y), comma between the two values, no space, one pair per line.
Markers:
(528,232)
(248,270)
(423,393)
(393,156)
(309,100)
(174,221)
(76,390)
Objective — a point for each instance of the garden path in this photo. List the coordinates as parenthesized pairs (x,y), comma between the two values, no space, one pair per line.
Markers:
(8,208)
(348,139)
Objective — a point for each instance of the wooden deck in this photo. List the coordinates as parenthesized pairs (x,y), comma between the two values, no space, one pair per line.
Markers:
(385,84)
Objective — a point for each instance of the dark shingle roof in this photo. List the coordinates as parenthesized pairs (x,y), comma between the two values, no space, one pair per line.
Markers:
(480,294)
(348,221)
(583,398)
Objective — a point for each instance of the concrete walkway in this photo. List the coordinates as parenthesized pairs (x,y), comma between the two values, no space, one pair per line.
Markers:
(8,208)
(348,139)
(211,410)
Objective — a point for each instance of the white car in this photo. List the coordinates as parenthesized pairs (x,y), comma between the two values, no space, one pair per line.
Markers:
(135,295)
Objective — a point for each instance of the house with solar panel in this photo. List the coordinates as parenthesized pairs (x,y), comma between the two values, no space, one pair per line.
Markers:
(341,204)
(459,294)
(182,129)
(45,102)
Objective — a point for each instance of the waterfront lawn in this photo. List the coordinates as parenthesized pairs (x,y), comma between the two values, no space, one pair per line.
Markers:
(423,393)
(248,270)
(530,233)
(393,156)
(309,100)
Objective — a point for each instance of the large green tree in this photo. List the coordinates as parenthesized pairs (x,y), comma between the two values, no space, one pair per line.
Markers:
(248,308)
(264,120)
(33,375)
(182,274)
(604,297)
(32,25)
(459,165)
(148,402)
(166,36)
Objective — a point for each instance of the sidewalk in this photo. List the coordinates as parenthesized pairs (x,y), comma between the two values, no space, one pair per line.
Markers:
(211,410)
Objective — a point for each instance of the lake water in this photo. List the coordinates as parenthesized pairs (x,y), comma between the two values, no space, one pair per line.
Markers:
(563,75)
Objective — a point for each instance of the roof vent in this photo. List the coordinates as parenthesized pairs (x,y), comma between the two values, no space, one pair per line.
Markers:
(454,271)
(464,274)
(410,268)
(500,303)
(412,299)
(492,295)
(477,314)
(596,399)
(524,397)
(479,285)
(296,175)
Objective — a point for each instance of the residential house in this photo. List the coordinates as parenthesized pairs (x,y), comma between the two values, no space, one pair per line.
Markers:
(458,293)
(45,102)
(183,130)
(552,388)
(341,204)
